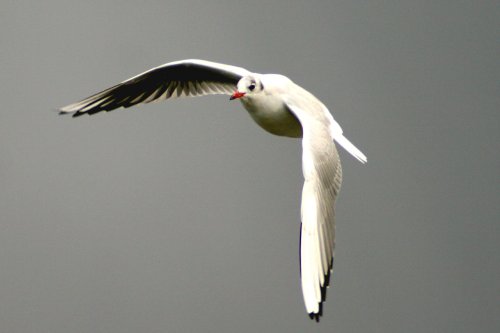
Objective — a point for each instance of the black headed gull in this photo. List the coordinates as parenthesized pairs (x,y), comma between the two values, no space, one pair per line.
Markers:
(280,107)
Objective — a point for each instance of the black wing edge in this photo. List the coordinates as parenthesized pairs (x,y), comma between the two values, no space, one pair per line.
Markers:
(312,315)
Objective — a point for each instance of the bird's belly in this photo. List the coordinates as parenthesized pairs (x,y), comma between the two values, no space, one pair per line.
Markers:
(275,118)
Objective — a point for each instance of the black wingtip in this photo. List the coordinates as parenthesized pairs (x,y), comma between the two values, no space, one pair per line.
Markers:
(73,114)
(78,114)
(323,289)
(315,316)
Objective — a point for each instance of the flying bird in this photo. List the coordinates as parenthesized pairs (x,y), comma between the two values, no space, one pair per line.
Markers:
(280,107)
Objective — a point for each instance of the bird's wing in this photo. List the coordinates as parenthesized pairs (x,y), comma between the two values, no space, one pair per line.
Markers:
(175,79)
(322,179)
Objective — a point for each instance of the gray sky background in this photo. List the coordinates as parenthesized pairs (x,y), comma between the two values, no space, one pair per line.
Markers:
(184,216)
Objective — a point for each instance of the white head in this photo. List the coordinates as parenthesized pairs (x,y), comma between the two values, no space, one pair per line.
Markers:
(247,87)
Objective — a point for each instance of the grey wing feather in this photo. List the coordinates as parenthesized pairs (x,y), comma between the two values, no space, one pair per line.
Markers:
(183,78)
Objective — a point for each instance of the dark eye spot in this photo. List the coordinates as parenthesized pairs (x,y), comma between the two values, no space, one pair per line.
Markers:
(251,86)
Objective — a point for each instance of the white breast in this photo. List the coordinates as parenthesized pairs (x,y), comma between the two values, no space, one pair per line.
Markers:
(270,112)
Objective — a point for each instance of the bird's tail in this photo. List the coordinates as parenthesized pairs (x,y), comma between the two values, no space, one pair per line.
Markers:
(351,149)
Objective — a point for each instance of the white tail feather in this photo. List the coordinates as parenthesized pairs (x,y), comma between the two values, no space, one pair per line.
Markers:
(351,149)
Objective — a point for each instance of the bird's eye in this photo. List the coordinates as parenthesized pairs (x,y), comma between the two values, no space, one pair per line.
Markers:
(251,86)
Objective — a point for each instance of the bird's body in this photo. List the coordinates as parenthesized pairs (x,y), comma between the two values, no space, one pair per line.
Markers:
(280,107)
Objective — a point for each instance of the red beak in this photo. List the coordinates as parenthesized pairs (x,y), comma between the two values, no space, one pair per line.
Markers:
(236,95)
